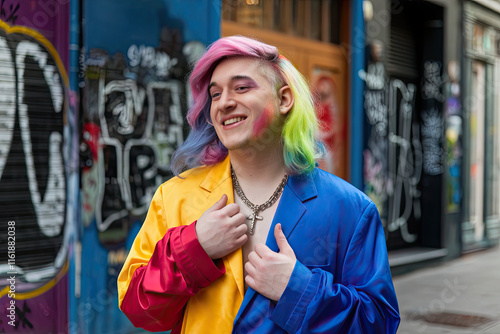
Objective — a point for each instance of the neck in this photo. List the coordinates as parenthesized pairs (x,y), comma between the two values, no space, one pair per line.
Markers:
(258,167)
(259,172)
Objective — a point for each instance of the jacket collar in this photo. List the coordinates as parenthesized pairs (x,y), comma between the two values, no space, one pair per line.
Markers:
(302,186)
(217,176)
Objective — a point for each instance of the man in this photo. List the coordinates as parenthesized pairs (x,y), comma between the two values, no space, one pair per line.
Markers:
(253,238)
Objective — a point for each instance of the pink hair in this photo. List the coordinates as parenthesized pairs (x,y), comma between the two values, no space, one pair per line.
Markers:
(233,46)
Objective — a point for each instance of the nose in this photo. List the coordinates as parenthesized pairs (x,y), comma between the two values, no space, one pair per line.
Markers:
(226,101)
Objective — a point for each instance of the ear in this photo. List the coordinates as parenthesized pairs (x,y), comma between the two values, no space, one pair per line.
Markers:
(286,99)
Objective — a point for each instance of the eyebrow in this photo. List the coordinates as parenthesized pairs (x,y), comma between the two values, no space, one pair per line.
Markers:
(233,78)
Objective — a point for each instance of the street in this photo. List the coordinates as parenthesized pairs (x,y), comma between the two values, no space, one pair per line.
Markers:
(460,296)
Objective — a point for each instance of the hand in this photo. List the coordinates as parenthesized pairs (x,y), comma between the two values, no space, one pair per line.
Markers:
(269,272)
(221,229)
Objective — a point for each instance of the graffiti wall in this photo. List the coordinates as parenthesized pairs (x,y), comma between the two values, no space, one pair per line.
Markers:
(133,122)
(35,181)
(393,152)
(134,99)
(404,155)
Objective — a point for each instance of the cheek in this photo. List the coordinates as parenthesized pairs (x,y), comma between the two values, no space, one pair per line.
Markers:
(211,114)
(263,121)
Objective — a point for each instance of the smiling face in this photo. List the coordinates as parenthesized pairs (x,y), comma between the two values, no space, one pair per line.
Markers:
(245,104)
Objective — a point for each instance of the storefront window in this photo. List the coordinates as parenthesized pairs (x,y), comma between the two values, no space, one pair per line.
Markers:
(311,19)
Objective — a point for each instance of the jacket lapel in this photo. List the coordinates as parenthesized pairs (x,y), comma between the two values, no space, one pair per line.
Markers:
(218,182)
(290,209)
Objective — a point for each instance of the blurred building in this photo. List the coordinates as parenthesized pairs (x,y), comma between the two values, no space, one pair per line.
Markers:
(93,99)
(431,129)
(411,102)
(481,124)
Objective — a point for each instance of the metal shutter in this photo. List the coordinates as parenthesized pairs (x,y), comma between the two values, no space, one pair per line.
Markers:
(32,177)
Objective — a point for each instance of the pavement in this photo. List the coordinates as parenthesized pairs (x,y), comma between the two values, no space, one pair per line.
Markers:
(458,296)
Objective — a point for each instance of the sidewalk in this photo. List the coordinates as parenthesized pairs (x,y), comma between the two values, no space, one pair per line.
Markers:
(460,296)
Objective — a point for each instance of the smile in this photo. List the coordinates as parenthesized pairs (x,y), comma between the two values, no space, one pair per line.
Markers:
(233,120)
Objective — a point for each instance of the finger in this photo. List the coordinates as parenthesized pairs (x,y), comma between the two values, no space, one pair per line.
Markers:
(230,209)
(219,204)
(240,241)
(283,244)
(250,281)
(238,219)
(241,229)
(250,268)
(254,259)
(262,250)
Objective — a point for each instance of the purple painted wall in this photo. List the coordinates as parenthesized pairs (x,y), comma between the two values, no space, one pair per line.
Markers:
(48,17)
(36,196)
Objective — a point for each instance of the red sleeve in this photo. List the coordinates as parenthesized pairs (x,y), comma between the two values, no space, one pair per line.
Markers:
(179,267)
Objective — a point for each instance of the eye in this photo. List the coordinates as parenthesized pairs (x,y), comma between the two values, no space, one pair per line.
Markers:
(214,95)
(242,88)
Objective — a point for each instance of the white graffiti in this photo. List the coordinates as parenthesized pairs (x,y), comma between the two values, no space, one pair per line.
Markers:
(7,102)
(376,111)
(32,114)
(432,82)
(432,123)
(50,209)
(133,101)
(392,171)
(432,134)
(375,77)
(126,109)
(405,159)
(149,57)
(375,106)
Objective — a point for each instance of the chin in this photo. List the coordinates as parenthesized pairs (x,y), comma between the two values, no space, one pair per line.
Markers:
(234,144)
(232,147)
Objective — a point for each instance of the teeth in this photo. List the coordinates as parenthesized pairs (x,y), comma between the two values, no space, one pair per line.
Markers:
(233,120)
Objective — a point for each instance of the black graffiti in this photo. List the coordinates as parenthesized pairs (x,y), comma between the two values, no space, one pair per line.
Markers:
(22,315)
(140,119)
(11,16)
(32,178)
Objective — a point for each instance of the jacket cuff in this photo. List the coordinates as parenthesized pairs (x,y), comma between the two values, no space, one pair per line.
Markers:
(291,308)
(194,260)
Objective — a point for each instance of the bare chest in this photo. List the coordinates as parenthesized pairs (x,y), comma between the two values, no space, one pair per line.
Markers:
(261,228)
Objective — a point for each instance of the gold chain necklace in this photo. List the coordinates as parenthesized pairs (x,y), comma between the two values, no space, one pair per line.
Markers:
(257,208)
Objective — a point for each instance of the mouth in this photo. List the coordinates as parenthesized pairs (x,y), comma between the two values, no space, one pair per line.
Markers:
(233,120)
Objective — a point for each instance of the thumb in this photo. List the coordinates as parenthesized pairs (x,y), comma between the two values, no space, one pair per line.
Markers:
(283,244)
(219,204)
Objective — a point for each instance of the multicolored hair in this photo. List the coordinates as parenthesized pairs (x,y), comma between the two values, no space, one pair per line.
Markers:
(203,147)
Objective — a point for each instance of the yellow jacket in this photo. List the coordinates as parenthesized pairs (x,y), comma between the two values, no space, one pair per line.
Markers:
(180,202)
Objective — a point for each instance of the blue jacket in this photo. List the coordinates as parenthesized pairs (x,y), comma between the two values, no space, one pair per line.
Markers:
(341,282)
